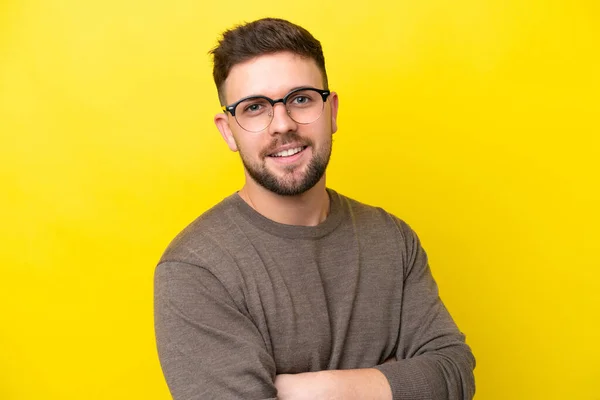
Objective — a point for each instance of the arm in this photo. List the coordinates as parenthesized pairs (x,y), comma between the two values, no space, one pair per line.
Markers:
(207,347)
(433,361)
(363,384)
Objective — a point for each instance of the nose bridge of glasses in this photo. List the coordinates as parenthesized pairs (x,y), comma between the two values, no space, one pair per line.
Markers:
(282,122)
(283,101)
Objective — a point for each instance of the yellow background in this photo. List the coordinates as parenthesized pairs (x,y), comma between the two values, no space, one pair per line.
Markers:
(475,121)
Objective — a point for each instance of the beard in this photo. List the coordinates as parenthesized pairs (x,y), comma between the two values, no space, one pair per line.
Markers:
(290,184)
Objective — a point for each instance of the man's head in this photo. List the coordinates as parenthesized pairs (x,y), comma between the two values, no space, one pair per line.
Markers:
(257,38)
(285,148)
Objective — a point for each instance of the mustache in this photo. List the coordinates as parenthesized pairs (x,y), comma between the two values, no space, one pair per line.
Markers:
(283,139)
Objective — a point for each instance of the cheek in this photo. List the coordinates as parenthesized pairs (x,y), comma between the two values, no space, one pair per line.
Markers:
(321,131)
(250,148)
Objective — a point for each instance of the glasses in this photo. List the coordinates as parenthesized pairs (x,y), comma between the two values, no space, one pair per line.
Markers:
(255,113)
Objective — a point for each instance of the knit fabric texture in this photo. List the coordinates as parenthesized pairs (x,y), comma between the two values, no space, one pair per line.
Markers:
(240,298)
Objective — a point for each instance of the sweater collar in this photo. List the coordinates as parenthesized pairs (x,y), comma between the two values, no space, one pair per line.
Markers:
(263,223)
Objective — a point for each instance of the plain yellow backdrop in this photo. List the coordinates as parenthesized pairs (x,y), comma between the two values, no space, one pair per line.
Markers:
(475,121)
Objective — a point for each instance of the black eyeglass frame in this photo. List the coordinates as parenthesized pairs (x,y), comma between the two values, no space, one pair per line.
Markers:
(231,108)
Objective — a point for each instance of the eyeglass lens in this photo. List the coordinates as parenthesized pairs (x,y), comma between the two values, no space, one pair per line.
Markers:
(255,114)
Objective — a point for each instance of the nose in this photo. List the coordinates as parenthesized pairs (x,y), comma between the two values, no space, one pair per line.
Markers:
(282,122)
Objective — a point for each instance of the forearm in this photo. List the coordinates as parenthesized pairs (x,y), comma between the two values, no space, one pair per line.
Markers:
(363,384)
(445,374)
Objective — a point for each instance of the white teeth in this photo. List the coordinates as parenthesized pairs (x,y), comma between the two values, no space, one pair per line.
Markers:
(287,153)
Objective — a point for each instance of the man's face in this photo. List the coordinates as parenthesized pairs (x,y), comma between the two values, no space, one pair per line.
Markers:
(274,76)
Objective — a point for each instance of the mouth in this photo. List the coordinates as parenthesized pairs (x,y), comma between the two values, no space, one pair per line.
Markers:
(288,157)
(289,152)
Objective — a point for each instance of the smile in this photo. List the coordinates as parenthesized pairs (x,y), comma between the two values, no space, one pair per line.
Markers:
(288,152)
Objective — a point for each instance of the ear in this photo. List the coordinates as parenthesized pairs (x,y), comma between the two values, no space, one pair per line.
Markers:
(334,101)
(222,123)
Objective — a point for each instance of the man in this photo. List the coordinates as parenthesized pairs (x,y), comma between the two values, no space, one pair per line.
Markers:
(287,289)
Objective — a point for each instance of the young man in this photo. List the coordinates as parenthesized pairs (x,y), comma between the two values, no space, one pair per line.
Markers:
(287,289)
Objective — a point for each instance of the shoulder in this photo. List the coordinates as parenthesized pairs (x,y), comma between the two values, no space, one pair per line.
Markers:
(374,216)
(203,257)
(203,238)
(378,224)
(381,232)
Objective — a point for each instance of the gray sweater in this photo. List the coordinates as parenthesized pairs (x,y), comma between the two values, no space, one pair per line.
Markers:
(240,298)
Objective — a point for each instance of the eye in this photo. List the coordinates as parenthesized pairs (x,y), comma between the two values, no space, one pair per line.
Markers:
(253,107)
(300,100)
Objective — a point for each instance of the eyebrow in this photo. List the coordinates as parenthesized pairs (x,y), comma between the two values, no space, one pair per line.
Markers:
(291,90)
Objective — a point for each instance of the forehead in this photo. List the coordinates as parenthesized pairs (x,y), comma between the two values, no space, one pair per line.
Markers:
(271,75)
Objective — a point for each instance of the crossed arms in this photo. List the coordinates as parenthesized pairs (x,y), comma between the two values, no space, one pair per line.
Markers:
(228,360)
(210,346)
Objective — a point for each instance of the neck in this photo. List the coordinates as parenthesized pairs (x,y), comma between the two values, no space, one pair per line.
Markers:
(307,209)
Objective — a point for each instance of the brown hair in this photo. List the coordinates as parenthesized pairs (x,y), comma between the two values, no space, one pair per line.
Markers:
(263,36)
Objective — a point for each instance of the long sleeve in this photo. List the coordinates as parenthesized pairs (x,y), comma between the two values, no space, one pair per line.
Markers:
(434,362)
(208,347)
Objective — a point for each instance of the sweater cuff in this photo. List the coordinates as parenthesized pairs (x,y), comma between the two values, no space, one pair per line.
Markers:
(407,378)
